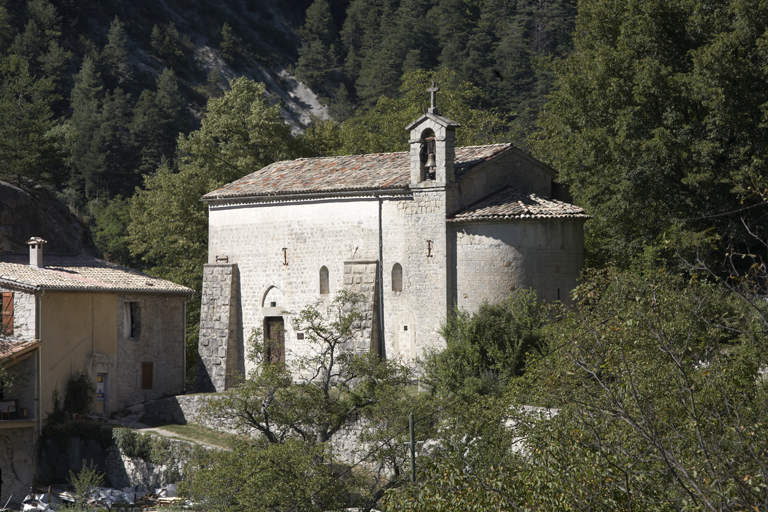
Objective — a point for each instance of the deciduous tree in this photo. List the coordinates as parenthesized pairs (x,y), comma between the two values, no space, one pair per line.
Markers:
(658,120)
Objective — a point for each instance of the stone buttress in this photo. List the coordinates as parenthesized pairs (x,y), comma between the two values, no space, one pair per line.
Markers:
(362,277)
(218,349)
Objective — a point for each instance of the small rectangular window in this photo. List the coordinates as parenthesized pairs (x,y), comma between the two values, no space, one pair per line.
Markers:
(7,314)
(146,375)
(299,335)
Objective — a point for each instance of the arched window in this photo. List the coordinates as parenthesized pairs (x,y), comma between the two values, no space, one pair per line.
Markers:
(324,288)
(397,278)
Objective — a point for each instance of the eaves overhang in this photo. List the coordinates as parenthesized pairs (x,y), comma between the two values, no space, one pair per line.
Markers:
(310,195)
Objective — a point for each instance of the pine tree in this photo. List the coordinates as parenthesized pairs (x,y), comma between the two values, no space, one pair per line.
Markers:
(228,45)
(315,66)
(120,163)
(7,30)
(454,20)
(46,16)
(317,55)
(158,119)
(213,84)
(87,159)
(360,36)
(30,43)
(381,68)
(166,43)
(55,65)
(319,25)
(114,56)
(28,144)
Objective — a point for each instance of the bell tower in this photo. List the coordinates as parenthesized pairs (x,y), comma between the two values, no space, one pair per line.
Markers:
(432,139)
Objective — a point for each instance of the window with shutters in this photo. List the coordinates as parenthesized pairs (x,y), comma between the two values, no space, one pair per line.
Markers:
(7,313)
(146,375)
(324,288)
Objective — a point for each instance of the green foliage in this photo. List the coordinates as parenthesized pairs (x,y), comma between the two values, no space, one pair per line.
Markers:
(157,450)
(168,225)
(79,394)
(660,405)
(28,142)
(657,121)
(85,482)
(266,477)
(166,43)
(297,409)
(115,54)
(484,350)
(109,226)
(382,129)
(228,44)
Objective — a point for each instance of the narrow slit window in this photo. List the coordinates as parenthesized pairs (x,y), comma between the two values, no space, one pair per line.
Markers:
(324,288)
(397,278)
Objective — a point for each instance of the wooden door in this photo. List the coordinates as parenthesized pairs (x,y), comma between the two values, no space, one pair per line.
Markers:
(275,339)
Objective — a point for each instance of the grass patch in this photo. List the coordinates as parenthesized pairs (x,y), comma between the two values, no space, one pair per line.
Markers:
(199,434)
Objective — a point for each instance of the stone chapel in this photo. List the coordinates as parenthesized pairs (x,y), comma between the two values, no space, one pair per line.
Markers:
(417,233)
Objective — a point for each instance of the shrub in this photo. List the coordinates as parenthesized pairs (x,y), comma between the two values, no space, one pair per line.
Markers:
(79,394)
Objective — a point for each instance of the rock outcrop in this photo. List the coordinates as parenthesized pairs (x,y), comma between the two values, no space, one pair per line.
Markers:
(28,210)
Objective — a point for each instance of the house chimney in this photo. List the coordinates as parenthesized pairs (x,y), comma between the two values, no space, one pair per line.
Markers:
(36,251)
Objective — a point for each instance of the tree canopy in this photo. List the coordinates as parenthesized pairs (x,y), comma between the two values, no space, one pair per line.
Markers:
(382,129)
(658,120)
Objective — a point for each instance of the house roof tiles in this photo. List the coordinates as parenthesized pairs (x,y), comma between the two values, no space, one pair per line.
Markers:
(375,171)
(509,203)
(80,273)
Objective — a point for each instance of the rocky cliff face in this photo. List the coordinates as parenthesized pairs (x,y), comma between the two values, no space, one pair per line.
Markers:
(28,210)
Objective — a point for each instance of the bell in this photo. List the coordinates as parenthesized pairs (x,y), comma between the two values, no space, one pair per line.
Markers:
(431,161)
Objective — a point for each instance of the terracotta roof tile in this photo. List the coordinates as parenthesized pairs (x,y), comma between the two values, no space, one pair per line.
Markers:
(376,171)
(509,203)
(80,273)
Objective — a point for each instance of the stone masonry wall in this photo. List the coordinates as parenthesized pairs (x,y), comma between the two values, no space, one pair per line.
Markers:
(23,314)
(362,277)
(219,344)
(279,250)
(280,247)
(495,258)
(160,341)
(16,464)
(185,409)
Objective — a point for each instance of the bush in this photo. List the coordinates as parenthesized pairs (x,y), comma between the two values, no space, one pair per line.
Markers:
(484,350)
(79,394)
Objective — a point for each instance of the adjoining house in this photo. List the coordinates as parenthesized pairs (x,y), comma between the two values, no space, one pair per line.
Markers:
(64,315)
(417,232)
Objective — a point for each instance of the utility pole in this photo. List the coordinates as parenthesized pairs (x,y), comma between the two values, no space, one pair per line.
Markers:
(413,449)
(412,444)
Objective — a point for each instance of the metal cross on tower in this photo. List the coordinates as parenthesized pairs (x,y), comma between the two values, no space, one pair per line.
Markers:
(433,97)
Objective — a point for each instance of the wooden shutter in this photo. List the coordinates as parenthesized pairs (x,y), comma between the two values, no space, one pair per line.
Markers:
(7,313)
(146,375)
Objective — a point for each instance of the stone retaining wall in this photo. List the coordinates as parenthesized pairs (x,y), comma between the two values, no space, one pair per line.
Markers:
(185,409)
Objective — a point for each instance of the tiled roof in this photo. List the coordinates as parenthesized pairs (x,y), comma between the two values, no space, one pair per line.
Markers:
(13,348)
(80,273)
(376,171)
(509,203)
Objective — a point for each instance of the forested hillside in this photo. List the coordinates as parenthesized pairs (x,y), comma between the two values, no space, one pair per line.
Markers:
(102,102)
(358,54)
(105,88)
